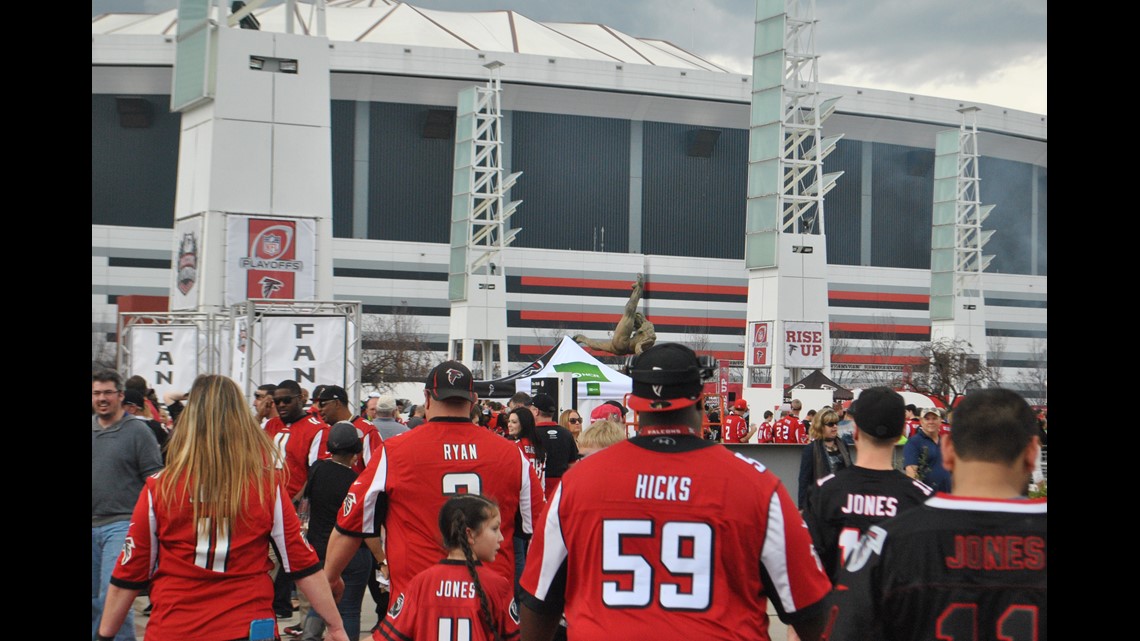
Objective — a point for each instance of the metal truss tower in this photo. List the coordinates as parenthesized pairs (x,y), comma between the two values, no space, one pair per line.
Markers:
(480,212)
(785,248)
(957,298)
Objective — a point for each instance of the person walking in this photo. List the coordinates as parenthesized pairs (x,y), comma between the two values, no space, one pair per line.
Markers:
(124,453)
(210,517)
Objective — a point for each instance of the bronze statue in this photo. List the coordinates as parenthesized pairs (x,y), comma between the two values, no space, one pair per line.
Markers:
(633,333)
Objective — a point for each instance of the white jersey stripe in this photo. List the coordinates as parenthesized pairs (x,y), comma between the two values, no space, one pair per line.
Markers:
(980,505)
(554,546)
(526,510)
(372,494)
(774,555)
(152,519)
(277,533)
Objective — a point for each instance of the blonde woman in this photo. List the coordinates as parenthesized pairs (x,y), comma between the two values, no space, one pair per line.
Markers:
(825,454)
(208,519)
(572,421)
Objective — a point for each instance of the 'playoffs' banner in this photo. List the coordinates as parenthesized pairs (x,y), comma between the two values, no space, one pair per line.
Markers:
(306,349)
(270,258)
(165,355)
(803,344)
(759,333)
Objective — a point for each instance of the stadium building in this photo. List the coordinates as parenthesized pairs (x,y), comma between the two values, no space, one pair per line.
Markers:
(634,159)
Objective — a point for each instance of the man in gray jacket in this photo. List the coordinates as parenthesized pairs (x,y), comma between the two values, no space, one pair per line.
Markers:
(123,453)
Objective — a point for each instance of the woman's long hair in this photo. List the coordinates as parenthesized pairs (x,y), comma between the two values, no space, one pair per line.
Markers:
(826,415)
(528,431)
(218,453)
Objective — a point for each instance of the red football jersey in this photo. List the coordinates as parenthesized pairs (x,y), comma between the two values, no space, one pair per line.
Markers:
(789,429)
(765,433)
(209,583)
(911,427)
(656,544)
(528,451)
(734,429)
(441,603)
(410,478)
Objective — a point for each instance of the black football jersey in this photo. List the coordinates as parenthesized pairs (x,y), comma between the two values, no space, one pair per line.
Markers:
(843,505)
(953,569)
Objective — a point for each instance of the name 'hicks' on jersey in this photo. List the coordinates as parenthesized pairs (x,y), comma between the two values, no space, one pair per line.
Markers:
(662,488)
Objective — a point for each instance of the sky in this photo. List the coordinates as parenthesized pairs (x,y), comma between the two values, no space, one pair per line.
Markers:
(986,51)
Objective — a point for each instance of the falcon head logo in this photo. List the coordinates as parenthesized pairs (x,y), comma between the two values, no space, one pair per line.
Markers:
(128,550)
(349,503)
(453,375)
(269,286)
(657,390)
(514,611)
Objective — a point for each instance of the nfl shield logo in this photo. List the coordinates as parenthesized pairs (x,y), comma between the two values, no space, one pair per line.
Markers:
(271,244)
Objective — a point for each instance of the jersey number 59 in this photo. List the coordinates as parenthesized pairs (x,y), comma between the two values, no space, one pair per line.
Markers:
(676,538)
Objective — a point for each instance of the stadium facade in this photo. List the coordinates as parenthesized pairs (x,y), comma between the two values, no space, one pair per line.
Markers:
(604,128)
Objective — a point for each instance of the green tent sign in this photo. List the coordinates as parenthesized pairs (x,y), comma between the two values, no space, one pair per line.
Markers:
(593,389)
(582,371)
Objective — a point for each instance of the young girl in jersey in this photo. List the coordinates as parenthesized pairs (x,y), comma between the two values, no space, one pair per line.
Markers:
(458,597)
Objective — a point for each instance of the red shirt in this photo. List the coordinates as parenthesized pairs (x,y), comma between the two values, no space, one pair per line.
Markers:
(300,443)
(442,602)
(528,451)
(655,543)
(912,426)
(210,585)
(734,429)
(411,476)
(765,433)
(789,429)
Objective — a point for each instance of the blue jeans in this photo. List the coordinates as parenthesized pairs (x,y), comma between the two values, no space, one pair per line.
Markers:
(521,545)
(106,544)
(355,577)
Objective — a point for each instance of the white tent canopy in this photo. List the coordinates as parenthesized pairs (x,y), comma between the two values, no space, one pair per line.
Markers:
(596,381)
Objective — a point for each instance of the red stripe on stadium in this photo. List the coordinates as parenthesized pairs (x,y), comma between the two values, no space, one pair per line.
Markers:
(587,283)
(880,296)
(583,317)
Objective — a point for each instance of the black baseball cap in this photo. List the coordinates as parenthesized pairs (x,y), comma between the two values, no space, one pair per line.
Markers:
(666,377)
(880,412)
(333,393)
(545,403)
(343,439)
(133,397)
(451,379)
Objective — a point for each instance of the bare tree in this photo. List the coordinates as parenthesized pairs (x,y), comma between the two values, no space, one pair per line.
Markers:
(102,352)
(996,348)
(698,341)
(1035,376)
(948,369)
(395,351)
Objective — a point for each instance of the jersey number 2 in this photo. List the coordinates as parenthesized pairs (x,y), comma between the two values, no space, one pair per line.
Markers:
(674,535)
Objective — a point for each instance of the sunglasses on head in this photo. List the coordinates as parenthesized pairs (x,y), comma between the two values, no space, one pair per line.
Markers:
(283,400)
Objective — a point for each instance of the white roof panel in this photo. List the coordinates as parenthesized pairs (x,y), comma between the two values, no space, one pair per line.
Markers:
(405,25)
(485,30)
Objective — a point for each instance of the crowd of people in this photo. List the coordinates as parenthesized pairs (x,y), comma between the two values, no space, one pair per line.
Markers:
(469,518)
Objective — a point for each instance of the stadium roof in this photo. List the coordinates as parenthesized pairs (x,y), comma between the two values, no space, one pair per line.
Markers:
(397,23)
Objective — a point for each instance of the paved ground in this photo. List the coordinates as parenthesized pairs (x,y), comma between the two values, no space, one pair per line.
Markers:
(777,630)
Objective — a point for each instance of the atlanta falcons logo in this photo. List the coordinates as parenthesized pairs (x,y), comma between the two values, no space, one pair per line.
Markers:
(269,286)
(453,375)
(349,502)
(657,390)
(128,550)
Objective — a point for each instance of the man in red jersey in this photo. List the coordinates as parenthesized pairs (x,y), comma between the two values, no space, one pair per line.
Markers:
(648,539)
(789,429)
(334,407)
(411,476)
(736,429)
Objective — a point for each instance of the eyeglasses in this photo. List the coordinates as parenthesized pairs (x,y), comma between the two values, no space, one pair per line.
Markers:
(283,400)
(831,423)
(574,420)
